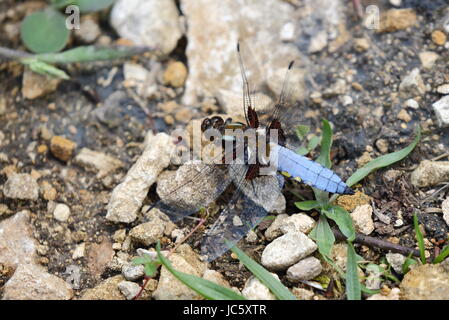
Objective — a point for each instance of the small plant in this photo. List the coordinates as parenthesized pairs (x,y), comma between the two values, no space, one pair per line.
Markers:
(420,239)
(322,233)
(46,31)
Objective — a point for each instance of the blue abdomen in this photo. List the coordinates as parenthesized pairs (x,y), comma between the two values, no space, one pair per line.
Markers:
(310,172)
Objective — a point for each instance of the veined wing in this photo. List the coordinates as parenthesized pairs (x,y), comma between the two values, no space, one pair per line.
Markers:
(193,186)
(251,202)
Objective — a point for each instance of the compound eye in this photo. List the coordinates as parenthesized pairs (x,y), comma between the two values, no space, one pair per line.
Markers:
(205,124)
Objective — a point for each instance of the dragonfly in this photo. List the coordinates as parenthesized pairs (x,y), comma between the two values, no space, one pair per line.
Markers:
(251,171)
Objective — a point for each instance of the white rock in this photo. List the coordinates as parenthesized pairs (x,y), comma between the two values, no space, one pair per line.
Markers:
(318,42)
(298,222)
(89,29)
(430,173)
(256,290)
(411,103)
(170,288)
(443,89)
(396,260)
(79,251)
(445,207)
(394,294)
(305,269)
(17,245)
(98,161)
(288,32)
(251,237)
(441,108)
(362,218)
(21,186)
(127,197)
(129,289)
(287,250)
(132,273)
(428,59)
(396,3)
(412,84)
(274,230)
(153,23)
(61,212)
(32,282)
(259,26)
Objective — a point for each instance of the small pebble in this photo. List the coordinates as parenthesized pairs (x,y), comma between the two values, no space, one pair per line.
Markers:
(129,289)
(443,89)
(61,212)
(438,37)
(62,148)
(176,74)
(411,103)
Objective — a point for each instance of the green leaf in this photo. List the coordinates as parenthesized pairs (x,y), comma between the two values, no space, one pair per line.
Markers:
(91,53)
(443,254)
(92,5)
(142,260)
(368,291)
(420,239)
(326,144)
(323,236)
(407,263)
(45,68)
(84,5)
(151,268)
(302,151)
(353,287)
(44,31)
(383,161)
(275,286)
(307,205)
(207,289)
(343,220)
(313,142)
(302,131)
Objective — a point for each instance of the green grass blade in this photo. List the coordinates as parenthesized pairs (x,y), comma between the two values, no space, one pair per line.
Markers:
(275,286)
(443,254)
(307,205)
(323,236)
(44,68)
(90,53)
(383,161)
(420,239)
(407,263)
(353,287)
(326,144)
(343,220)
(207,289)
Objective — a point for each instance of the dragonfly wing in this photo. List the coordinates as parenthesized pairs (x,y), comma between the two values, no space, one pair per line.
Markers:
(192,187)
(250,203)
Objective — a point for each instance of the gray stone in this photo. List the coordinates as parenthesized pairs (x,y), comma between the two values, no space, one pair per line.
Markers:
(17,245)
(126,199)
(32,282)
(133,273)
(287,250)
(153,23)
(428,59)
(274,230)
(129,289)
(98,161)
(441,108)
(305,269)
(149,232)
(396,260)
(412,85)
(430,173)
(21,186)
(426,282)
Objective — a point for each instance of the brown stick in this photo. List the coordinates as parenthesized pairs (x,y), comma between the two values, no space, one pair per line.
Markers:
(377,243)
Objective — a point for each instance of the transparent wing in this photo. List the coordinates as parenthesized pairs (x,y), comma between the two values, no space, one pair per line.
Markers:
(192,187)
(250,203)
